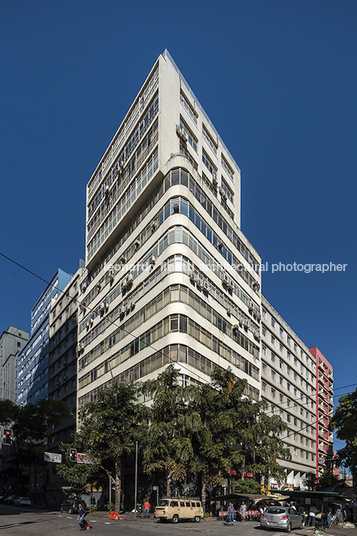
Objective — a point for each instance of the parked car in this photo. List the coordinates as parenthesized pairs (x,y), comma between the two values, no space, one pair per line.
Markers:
(71,505)
(23,501)
(10,499)
(281,518)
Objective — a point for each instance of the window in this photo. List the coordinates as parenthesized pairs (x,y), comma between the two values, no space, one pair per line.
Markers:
(227,190)
(272,321)
(207,162)
(273,339)
(190,137)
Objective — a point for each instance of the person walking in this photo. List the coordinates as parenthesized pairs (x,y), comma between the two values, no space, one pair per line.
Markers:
(242,511)
(329,516)
(312,515)
(82,512)
(146,508)
(230,514)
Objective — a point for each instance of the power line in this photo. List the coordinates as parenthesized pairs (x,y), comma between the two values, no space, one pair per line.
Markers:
(112,322)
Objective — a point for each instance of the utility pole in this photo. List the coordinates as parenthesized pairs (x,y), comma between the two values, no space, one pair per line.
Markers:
(136,476)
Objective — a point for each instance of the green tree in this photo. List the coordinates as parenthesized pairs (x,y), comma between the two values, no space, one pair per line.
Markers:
(8,412)
(110,426)
(78,475)
(30,426)
(327,480)
(344,422)
(235,435)
(169,446)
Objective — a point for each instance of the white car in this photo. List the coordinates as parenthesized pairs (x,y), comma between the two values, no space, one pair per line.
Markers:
(23,501)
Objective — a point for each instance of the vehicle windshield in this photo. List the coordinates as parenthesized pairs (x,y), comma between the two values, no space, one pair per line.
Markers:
(275,510)
(164,503)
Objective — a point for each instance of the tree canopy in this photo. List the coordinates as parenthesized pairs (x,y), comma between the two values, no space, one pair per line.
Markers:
(344,422)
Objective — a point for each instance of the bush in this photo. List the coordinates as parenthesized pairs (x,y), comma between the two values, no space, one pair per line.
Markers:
(110,506)
(91,508)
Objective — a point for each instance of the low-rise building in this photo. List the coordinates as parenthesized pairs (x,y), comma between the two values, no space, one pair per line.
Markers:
(288,385)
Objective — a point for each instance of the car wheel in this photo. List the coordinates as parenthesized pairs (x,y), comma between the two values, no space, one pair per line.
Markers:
(197,519)
(175,519)
(288,528)
(70,511)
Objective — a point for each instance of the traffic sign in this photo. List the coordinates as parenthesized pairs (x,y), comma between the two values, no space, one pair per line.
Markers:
(52,457)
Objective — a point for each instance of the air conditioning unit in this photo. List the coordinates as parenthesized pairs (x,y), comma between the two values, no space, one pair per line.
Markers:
(137,244)
(206,286)
(181,133)
(229,310)
(130,305)
(103,306)
(153,226)
(235,327)
(65,361)
(219,244)
(227,282)
(121,168)
(152,260)
(251,305)
(199,282)
(257,337)
(122,259)
(214,178)
(107,190)
(127,281)
(83,287)
(223,193)
(193,275)
(176,208)
(256,286)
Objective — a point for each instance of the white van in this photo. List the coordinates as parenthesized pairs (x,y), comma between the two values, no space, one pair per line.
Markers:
(175,509)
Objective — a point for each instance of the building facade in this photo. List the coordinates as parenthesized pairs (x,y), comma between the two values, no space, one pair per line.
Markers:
(62,375)
(32,365)
(324,412)
(170,277)
(288,385)
(12,342)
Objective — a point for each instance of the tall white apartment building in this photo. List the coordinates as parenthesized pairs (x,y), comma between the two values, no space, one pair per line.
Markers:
(170,277)
(288,385)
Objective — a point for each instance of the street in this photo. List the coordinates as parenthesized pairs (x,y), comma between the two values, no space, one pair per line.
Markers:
(20,521)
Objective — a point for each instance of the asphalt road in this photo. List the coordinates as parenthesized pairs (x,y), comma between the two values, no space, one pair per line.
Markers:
(23,521)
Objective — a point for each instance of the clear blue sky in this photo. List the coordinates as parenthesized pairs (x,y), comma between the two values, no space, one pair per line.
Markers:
(278,78)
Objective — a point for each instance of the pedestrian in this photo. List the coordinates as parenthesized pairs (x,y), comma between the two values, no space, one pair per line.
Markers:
(146,508)
(231,514)
(312,515)
(81,515)
(329,516)
(242,511)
